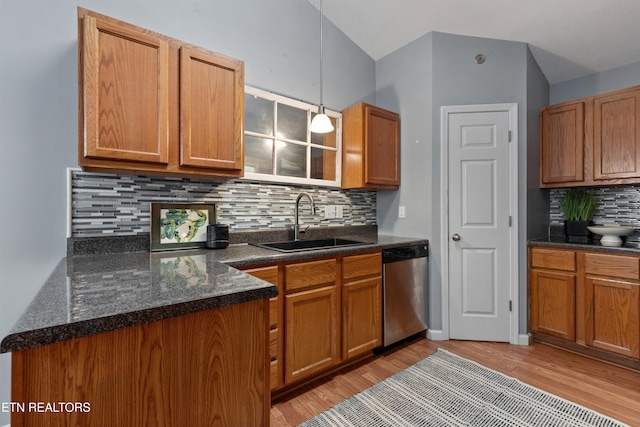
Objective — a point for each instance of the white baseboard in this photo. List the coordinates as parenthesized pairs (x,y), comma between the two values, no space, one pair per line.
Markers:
(436,335)
(525,339)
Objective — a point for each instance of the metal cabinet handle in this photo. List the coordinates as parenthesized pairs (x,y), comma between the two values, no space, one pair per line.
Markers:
(456,237)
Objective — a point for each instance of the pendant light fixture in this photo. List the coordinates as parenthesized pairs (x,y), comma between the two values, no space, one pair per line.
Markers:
(321,123)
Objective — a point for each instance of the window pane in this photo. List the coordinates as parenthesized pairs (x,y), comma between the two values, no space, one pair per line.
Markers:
(323,164)
(258,155)
(258,115)
(292,123)
(291,159)
(326,139)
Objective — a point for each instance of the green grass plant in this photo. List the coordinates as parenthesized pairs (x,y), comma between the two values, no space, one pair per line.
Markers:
(578,204)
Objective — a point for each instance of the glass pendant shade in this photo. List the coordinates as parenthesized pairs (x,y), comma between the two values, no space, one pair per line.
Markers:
(321,123)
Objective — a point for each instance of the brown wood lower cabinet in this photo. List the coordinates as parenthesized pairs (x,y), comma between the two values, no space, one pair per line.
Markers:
(311,336)
(553,309)
(590,297)
(361,304)
(207,368)
(613,321)
(329,312)
(271,274)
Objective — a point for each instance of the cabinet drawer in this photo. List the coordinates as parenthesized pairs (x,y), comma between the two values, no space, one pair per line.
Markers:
(361,266)
(273,312)
(623,267)
(273,344)
(306,274)
(554,259)
(268,274)
(274,375)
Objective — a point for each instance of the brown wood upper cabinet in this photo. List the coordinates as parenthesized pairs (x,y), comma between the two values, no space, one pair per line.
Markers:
(562,147)
(616,138)
(370,148)
(152,104)
(591,141)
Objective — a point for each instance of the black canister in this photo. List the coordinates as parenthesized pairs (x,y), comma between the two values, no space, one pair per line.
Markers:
(217,236)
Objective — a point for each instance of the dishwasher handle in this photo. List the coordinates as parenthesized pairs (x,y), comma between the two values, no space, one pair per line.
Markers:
(404,253)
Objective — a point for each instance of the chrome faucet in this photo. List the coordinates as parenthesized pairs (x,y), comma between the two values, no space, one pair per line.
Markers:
(296,225)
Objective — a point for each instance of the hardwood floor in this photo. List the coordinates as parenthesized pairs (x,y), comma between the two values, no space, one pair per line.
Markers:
(605,388)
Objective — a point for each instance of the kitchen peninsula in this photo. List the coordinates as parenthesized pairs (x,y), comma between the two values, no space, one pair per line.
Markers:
(139,338)
(143,339)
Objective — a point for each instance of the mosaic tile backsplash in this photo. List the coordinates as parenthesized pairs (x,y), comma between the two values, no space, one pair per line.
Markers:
(118,205)
(618,206)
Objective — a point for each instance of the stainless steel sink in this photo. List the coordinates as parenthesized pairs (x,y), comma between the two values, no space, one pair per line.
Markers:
(308,245)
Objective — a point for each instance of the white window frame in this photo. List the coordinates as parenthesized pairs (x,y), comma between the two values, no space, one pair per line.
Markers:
(310,108)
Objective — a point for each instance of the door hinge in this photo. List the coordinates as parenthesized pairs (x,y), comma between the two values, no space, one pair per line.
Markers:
(510,220)
(510,305)
(509,136)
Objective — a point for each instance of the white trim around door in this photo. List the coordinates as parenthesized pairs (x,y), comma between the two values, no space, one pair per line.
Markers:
(445,111)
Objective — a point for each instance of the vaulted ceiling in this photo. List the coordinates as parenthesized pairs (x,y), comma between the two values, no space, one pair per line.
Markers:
(568,38)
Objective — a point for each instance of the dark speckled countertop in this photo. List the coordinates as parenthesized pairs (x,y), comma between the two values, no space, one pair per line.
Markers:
(561,242)
(92,294)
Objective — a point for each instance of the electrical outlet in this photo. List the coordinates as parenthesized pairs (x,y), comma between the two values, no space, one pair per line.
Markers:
(401,212)
(339,211)
(330,212)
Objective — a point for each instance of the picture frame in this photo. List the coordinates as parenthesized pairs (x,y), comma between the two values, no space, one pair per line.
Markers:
(180,225)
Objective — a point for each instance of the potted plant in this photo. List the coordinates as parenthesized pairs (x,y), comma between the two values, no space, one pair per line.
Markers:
(578,206)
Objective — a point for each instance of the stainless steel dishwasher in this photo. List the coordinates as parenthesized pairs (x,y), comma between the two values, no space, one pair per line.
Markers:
(405,291)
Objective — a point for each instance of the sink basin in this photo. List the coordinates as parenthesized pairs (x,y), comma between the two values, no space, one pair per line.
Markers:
(308,245)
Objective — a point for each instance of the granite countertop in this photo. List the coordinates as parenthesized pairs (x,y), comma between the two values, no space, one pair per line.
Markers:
(561,242)
(97,293)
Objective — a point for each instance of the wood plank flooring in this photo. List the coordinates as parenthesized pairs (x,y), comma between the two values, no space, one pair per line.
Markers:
(605,388)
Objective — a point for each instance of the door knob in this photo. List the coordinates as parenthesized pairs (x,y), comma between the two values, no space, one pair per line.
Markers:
(456,237)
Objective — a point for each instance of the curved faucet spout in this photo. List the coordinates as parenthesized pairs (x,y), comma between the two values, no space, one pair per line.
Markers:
(296,225)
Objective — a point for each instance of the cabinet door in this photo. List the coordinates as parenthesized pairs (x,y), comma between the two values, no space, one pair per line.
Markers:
(312,325)
(125,93)
(211,110)
(562,144)
(613,320)
(553,306)
(361,316)
(617,136)
(382,149)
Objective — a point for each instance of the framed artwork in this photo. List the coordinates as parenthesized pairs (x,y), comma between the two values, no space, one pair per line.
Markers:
(180,225)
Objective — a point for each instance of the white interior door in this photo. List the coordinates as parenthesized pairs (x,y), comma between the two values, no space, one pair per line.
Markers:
(479,225)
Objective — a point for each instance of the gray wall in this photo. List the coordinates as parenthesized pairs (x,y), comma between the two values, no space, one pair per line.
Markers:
(438,70)
(403,81)
(458,80)
(277,39)
(593,84)
(536,202)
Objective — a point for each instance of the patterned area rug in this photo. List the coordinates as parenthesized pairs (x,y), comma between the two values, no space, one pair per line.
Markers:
(447,390)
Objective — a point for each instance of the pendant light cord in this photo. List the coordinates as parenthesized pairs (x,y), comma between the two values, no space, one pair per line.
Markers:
(321,59)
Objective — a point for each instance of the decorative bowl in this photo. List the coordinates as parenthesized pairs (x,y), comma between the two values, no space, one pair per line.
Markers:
(611,233)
